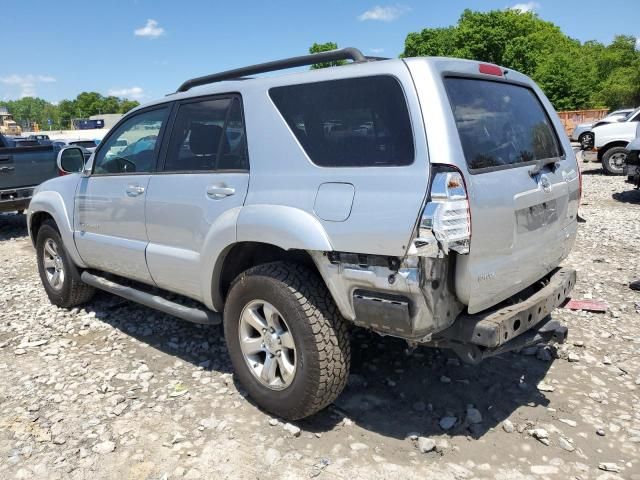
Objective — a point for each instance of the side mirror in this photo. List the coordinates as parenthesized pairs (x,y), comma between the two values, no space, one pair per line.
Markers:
(70,160)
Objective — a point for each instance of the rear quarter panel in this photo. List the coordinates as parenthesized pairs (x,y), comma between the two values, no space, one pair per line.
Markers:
(386,200)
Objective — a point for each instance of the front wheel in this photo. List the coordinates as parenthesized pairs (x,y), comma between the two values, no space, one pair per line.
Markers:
(59,276)
(614,159)
(287,341)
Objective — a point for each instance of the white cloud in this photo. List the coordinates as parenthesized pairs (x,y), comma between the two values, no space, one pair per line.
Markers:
(135,93)
(638,43)
(150,30)
(525,7)
(26,83)
(384,14)
(376,51)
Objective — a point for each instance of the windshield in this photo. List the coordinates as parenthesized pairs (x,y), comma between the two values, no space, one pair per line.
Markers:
(632,116)
(500,124)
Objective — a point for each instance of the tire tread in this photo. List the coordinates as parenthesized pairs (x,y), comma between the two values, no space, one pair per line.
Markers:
(329,330)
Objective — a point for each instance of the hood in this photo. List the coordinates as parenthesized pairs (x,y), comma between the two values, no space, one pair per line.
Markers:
(614,132)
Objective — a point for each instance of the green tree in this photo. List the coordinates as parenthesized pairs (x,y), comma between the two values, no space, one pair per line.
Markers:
(325,47)
(28,110)
(126,105)
(573,75)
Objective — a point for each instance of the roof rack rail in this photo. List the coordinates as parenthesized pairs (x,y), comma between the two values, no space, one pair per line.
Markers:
(330,56)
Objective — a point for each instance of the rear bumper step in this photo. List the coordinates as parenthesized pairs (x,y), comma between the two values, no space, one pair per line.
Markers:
(548,331)
(189,314)
(511,327)
(495,327)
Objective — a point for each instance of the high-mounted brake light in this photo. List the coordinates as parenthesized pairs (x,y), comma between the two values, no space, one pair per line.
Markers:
(490,69)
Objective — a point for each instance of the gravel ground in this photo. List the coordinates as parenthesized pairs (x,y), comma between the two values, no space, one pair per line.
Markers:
(116,390)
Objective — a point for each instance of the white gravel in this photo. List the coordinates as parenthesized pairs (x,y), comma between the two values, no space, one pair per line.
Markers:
(116,390)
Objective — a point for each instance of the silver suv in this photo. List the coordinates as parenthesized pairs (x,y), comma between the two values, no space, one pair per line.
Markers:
(430,199)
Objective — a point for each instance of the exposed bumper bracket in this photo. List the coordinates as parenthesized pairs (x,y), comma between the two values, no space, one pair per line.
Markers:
(494,327)
(521,324)
(549,331)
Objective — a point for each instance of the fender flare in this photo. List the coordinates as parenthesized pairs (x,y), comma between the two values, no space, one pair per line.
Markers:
(288,228)
(52,203)
(283,226)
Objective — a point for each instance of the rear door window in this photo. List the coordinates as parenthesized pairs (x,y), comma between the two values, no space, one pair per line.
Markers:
(208,135)
(500,124)
(355,122)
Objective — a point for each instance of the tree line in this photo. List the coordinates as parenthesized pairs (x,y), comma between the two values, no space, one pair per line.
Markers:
(29,110)
(572,74)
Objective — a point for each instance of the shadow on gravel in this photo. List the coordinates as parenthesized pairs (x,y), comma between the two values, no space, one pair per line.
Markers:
(12,225)
(594,170)
(393,393)
(628,196)
(390,392)
(201,345)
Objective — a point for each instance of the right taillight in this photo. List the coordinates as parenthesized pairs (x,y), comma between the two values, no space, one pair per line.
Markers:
(447,215)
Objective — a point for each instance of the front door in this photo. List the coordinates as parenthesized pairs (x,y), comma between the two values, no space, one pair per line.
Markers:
(109,221)
(194,198)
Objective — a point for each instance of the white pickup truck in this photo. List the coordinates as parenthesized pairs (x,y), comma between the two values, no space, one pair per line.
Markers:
(610,142)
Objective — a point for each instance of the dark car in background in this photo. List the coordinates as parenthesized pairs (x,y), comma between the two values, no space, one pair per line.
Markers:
(24,164)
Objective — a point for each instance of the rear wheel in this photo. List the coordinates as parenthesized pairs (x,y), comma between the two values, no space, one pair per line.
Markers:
(59,276)
(287,341)
(614,159)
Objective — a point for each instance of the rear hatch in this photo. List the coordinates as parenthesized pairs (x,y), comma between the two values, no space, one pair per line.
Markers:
(521,178)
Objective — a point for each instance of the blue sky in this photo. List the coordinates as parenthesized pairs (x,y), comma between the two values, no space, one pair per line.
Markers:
(144,49)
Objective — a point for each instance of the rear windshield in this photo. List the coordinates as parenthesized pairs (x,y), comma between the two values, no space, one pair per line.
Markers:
(355,122)
(500,124)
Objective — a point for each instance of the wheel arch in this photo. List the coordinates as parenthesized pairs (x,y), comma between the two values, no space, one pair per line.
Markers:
(602,150)
(255,234)
(241,256)
(50,204)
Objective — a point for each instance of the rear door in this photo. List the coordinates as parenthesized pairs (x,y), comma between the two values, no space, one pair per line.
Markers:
(197,194)
(523,214)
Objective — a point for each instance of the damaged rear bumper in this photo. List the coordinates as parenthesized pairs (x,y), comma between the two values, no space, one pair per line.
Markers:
(519,324)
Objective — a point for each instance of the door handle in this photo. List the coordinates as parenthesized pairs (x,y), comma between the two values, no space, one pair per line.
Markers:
(7,169)
(135,190)
(220,191)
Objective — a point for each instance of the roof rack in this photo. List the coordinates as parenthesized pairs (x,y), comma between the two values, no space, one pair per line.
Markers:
(330,56)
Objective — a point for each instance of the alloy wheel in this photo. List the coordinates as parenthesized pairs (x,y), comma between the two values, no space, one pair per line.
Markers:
(267,345)
(53,264)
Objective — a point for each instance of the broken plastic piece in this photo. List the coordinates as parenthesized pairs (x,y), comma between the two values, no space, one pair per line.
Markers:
(588,305)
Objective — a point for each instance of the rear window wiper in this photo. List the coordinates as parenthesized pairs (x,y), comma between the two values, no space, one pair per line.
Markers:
(540,164)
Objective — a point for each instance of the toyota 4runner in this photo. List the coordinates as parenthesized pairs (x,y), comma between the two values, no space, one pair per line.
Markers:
(430,199)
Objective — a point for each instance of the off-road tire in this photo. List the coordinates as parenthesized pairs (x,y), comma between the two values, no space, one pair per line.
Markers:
(606,159)
(74,291)
(319,332)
